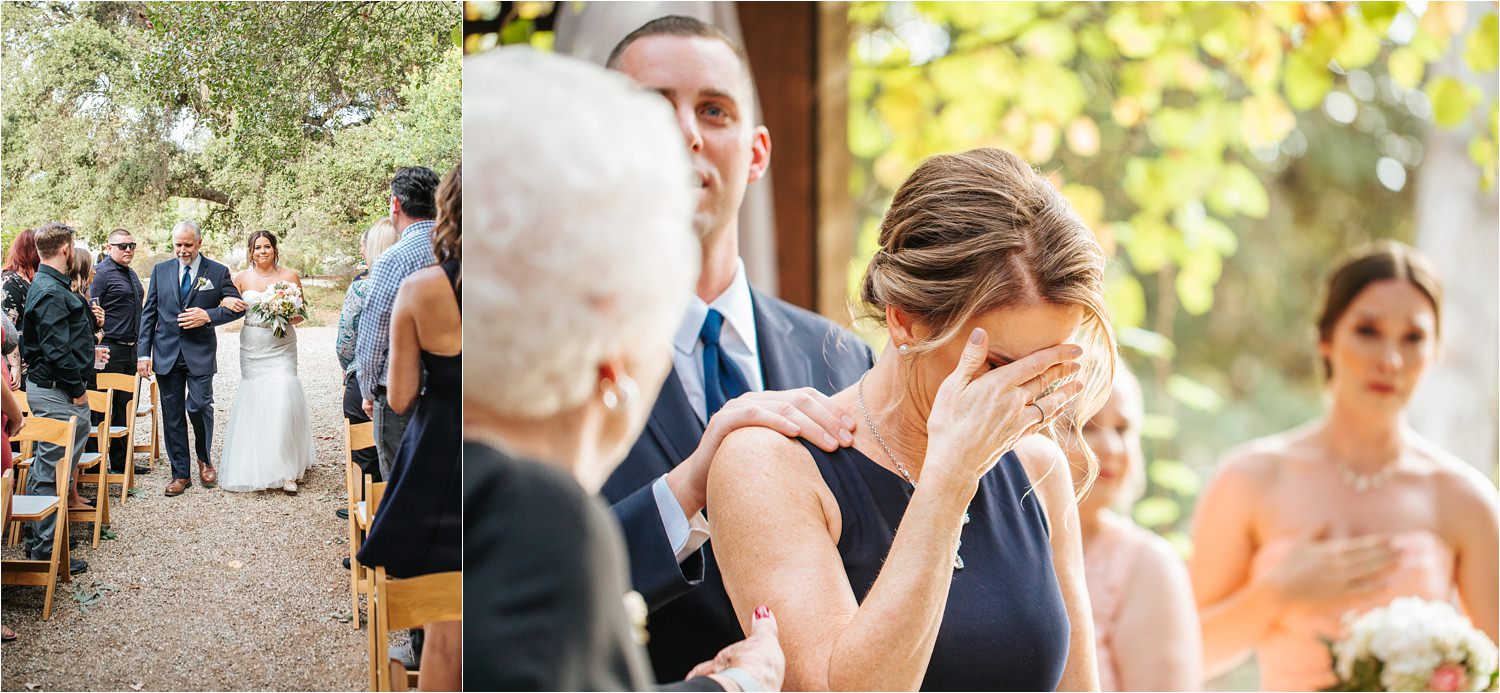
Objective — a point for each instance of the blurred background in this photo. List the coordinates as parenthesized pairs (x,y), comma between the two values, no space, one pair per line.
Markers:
(1224,154)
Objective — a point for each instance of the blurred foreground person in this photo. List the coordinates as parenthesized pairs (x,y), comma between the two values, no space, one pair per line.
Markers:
(581,259)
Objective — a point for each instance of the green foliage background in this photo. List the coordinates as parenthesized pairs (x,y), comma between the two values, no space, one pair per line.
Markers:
(1224,153)
(277,115)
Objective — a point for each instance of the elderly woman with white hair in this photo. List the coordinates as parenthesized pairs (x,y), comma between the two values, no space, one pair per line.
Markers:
(581,259)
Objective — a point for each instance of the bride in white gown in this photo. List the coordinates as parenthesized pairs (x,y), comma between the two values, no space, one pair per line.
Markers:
(269,440)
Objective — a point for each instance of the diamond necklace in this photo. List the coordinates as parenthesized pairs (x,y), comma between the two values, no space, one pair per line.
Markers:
(958,560)
(1365,482)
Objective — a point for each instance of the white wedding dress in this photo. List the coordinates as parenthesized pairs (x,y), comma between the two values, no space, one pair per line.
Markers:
(269,440)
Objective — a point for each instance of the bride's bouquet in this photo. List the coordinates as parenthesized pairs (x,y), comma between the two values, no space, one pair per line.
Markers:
(280,303)
(1412,645)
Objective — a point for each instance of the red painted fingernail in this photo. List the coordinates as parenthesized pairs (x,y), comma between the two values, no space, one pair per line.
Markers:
(762,611)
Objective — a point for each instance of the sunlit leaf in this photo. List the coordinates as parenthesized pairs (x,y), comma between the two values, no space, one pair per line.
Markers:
(1158,427)
(1379,15)
(1239,191)
(1452,100)
(1156,512)
(1125,298)
(1194,394)
(1482,47)
(1133,36)
(1083,136)
(1405,67)
(1265,120)
(1146,342)
(1150,243)
(1175,476)
(1307,81)
(1361,45)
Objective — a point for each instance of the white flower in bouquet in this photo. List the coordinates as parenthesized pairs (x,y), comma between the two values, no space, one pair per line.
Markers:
(1412,645)
(278,305)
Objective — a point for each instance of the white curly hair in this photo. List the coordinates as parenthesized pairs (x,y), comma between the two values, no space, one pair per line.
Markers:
(580,247)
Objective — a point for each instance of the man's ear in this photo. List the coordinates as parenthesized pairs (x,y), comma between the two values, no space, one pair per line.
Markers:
(760,153)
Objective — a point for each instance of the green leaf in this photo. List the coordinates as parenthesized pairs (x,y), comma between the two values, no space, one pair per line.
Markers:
(1452,101)
(1145,342)
(1050,41)
(1193,393)
(1360,47)
(1149,242)
(1175,476)
(1132,35)
(1307,81)
(1379,15)
(1482,47)
(1157,512)
(1405,67)
(1158,427)
(1239,192)
(1125,298)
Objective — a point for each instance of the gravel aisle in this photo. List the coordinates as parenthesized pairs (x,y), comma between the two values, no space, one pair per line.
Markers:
(216,590)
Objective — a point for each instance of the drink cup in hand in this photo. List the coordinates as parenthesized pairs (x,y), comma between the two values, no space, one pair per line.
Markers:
(101,357)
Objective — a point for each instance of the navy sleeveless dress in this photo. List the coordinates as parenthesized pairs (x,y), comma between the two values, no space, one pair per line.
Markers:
(419,527)
(1005,627)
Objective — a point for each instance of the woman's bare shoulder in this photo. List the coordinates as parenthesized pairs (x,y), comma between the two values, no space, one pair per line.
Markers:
(755,454)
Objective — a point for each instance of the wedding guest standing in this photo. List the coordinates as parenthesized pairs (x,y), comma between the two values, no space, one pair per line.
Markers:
(20,268)
(372,244)
(412,211)
(57,343)
(941,551)
(417,529)
(1351,510)
(118,291)
(740,357)
(1145,622)
(545,581)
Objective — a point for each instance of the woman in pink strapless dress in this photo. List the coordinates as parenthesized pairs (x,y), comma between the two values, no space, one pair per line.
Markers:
(1145,624)
(1345,513)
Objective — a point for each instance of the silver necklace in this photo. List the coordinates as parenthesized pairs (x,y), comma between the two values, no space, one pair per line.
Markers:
(1365,482)
(958,560)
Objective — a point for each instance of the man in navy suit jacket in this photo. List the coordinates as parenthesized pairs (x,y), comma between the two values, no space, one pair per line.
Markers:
(177,342)
(740,358)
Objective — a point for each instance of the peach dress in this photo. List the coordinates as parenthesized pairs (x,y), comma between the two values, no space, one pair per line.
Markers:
(1108,561)
(1290,655)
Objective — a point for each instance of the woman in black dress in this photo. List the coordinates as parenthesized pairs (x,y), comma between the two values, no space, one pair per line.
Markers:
(942,550)
(417,529)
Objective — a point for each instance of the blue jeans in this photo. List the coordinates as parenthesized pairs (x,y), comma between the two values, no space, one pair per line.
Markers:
(389,427)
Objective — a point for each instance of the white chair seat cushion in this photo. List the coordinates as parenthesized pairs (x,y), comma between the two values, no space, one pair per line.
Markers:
(31,505)
(359,511)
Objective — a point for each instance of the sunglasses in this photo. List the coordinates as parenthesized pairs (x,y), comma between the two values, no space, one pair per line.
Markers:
(124,246)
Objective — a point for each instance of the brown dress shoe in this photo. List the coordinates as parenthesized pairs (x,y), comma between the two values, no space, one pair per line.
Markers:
(178,486)
(207,475)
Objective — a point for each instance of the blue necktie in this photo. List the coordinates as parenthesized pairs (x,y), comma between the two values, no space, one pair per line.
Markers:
(187,275)
(722,381)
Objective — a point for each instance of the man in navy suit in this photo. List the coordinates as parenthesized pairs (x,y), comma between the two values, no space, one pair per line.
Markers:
(740,358)
(177,342)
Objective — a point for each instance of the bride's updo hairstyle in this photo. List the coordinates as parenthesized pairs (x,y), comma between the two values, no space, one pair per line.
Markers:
(974,232)
(250,247)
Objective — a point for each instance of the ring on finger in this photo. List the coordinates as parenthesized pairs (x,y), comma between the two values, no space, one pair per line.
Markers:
(1039,410)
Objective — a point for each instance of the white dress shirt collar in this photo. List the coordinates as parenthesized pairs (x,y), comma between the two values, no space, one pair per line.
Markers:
(737,340)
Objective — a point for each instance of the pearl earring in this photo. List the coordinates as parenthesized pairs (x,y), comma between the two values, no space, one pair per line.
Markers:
(903,348)
(625,391)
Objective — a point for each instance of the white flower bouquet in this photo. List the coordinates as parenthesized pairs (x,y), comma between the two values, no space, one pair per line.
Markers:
(1412,645)
(280,303)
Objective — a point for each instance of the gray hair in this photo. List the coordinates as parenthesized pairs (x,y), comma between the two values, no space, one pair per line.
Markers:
(580,243)
(187,224)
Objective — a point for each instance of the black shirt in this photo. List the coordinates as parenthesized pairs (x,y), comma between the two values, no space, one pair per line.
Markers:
(57,334)
(119,292)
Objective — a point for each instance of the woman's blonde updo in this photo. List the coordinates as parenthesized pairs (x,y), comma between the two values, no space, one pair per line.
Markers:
(977,231)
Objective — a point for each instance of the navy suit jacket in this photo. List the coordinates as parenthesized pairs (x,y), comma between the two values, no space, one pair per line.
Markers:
(692,618)
(161,340)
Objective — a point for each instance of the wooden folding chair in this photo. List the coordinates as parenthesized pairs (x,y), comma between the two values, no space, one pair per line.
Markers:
(20,396)
(409,603)
(119,382)
(374,493)
(152,408)
(93,467)
(27,508)
(7,488)
(357,436)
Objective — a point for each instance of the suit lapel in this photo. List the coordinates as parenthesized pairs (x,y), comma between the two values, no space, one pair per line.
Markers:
(673,422)
(174,282)
(782,366)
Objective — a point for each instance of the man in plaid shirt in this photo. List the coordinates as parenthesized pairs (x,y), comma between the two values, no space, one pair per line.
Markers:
(412,211)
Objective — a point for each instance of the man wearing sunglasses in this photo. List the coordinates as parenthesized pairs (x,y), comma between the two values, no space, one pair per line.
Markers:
(117,288)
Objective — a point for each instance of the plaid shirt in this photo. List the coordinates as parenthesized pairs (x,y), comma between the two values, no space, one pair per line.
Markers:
(373,347)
